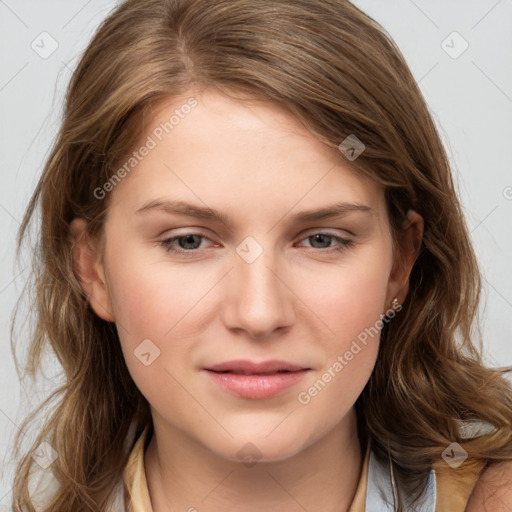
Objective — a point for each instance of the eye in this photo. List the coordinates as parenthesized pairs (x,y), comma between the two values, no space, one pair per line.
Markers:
(325,239)
(189,244)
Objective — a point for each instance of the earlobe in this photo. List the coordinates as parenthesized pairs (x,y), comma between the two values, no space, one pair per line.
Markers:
(90,271)
(409,245)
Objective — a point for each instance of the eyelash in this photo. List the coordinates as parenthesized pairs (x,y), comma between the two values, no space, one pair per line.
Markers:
(167,244)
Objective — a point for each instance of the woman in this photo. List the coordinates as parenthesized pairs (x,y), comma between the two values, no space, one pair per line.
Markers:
(216,357)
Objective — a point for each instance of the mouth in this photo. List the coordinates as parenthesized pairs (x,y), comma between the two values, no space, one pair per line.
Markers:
(243,372)
(255,381)
(243,367)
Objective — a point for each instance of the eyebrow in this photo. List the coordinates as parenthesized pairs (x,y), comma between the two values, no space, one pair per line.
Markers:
(199,212)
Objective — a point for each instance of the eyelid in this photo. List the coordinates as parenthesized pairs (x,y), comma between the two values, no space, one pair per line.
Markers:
(325,231)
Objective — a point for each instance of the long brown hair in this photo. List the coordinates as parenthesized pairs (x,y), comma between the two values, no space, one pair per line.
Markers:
(339,73)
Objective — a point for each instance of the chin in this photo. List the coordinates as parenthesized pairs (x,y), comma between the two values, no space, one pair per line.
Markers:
(251,447)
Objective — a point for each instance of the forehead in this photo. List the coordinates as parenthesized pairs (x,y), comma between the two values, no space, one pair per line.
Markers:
(218,149)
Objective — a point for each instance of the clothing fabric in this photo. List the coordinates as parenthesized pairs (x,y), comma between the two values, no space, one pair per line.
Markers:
(447,490)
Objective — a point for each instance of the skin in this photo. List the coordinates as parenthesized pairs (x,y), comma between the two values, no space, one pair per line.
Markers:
(300,301)
(493,490)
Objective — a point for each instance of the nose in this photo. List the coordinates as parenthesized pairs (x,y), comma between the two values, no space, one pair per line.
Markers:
(258,299)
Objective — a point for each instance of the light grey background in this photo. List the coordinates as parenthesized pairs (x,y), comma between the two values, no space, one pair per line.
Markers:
(470,96)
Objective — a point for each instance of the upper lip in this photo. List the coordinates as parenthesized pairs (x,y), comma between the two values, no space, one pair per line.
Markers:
(250,367)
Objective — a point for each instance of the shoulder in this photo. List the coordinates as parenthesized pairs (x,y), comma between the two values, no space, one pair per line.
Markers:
(493,489)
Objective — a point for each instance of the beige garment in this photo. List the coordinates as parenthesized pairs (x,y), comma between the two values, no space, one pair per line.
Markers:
(453,487)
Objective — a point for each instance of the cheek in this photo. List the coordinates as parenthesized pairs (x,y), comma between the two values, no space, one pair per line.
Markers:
(353,301)
(162,304)
(349,299)
(351,305)
(155,300)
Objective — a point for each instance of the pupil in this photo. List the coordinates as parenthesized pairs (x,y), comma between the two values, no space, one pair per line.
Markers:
(187,239)
(321,237)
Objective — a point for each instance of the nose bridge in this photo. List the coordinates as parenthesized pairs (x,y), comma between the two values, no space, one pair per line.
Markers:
(261,302)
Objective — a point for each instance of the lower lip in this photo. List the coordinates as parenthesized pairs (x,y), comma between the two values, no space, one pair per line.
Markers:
(256,387)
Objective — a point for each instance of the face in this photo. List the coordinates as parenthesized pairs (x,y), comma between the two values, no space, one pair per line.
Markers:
(249,325)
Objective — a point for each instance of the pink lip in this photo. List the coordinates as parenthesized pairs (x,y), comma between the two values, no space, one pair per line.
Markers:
(256,380)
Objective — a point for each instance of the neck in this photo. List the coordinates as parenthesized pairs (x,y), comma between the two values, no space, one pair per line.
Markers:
(185,476)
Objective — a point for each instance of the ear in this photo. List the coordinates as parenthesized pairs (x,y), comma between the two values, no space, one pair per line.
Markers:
(90,271)
(409,245)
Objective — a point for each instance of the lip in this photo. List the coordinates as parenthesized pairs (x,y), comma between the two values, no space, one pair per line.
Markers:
(250,367)
(256,381)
